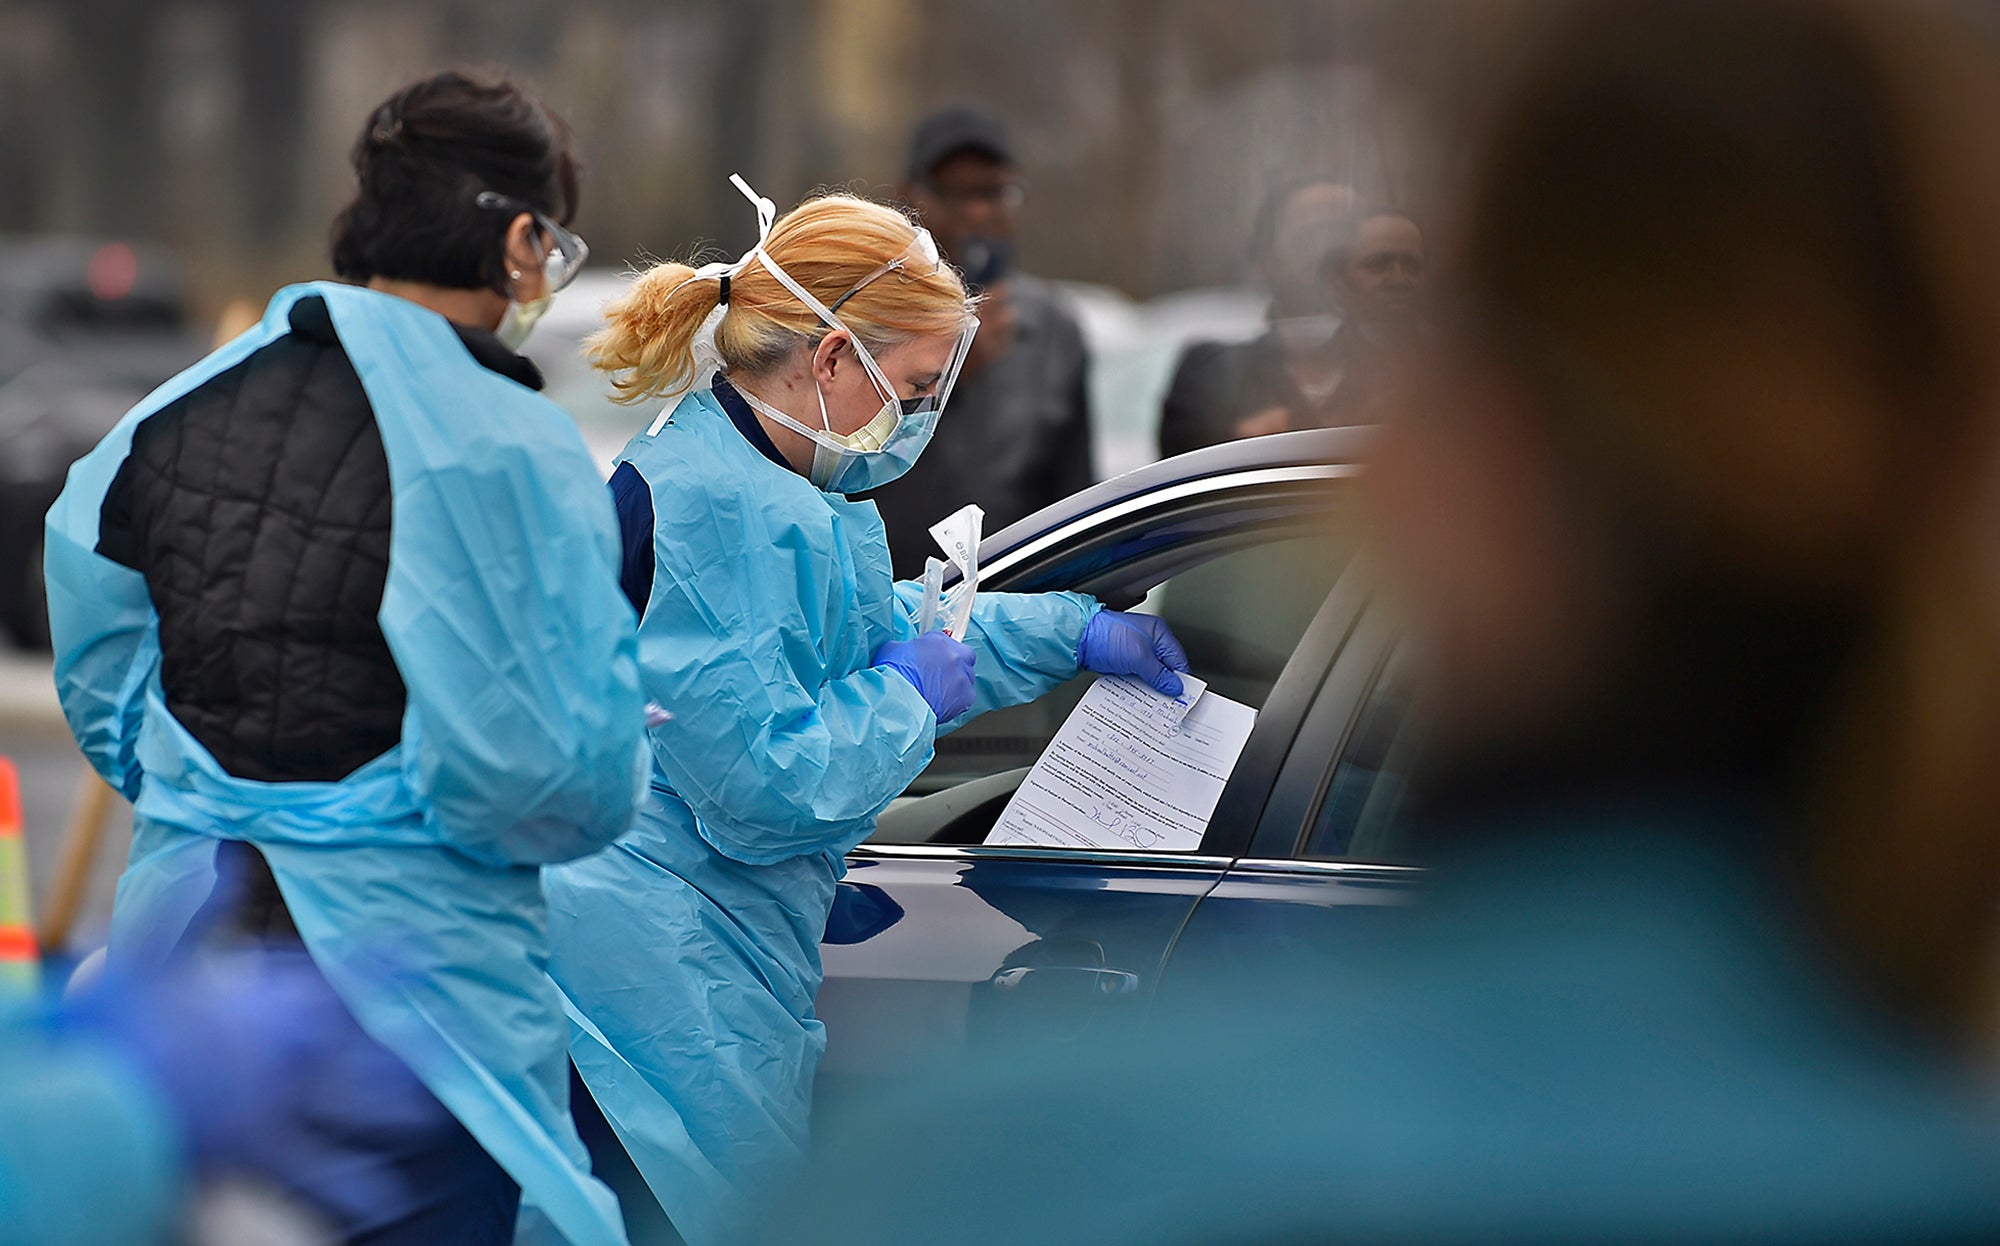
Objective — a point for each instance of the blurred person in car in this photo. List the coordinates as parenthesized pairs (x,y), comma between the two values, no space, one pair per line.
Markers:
(1378,283)
(1345,281)
(337,608)
(1693,521)
(1019,434)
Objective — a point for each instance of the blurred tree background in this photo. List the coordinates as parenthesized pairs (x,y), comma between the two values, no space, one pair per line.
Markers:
(1148,130)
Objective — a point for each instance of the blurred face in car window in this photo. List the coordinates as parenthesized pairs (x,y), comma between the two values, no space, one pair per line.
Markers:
(1380,279)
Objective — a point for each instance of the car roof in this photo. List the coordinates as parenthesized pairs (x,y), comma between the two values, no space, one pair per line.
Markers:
(1309,447)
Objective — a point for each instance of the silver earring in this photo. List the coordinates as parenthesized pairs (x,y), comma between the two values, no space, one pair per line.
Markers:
(515,274)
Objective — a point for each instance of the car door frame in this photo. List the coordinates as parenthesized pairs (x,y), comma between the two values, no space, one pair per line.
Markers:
(1292,695)
(1278,722)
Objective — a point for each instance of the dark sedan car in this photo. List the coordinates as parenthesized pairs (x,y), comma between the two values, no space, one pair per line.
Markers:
(87,329)
(940,947)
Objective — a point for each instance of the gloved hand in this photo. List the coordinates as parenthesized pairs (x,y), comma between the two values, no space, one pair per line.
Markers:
(1118,643)
(266,1074)
(939,667)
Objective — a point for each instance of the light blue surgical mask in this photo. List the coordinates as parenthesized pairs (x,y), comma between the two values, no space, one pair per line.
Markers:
(872,455)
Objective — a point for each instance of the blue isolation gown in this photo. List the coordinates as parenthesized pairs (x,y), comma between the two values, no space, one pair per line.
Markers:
(689,953)
(414,881)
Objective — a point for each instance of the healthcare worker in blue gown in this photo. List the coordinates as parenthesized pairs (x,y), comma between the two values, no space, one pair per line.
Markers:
(802,698)
(337,608)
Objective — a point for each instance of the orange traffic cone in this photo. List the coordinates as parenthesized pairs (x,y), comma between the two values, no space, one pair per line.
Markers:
(20,964)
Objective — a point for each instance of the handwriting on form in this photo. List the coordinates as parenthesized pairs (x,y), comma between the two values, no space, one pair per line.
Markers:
(1130,768)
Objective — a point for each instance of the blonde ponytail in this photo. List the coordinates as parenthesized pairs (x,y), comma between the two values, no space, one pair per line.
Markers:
(647,342)
(830,245)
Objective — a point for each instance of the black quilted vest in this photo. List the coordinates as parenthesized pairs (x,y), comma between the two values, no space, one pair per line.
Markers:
(258,508)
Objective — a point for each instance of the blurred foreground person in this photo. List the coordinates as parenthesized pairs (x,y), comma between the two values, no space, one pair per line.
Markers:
(360,736)
(1019,434)
(187,1109)
(1344,280)
(1695,524)
(800,697)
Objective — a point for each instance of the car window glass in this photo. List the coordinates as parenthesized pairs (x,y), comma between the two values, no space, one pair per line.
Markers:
(1360,814)
(1239,614)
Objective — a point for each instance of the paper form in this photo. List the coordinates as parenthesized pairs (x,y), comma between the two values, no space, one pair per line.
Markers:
(1129,769)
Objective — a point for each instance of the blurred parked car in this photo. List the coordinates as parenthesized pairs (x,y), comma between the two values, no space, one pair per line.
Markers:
(575,386)
(87,328)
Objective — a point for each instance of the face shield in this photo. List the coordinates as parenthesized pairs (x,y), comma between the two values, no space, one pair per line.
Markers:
(889,443)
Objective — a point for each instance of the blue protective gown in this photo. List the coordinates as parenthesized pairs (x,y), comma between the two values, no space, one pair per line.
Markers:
(690,952)
(414,881)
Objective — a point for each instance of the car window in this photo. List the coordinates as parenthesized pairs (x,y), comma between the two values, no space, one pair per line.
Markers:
(1239,614)
(1360,814)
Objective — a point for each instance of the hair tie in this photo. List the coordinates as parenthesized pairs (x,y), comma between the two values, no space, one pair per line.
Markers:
(723,270)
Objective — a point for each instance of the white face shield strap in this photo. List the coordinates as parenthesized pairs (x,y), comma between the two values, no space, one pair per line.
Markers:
(767,215)
(707,359)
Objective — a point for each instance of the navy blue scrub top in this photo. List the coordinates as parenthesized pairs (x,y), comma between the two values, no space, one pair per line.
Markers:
(633,499)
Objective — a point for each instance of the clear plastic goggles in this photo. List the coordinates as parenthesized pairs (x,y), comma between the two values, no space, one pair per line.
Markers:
(569,252)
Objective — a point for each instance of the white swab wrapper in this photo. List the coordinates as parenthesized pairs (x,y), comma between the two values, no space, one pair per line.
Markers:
(959,535)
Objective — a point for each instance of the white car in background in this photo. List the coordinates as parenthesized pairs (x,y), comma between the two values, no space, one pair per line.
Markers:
(1133,348)
(573,385)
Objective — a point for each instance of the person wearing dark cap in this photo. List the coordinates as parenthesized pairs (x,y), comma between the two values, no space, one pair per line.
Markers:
(1019,433)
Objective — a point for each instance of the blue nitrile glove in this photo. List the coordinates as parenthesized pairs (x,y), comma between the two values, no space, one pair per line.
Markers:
(267,1075)
(1117,643)
(939,667)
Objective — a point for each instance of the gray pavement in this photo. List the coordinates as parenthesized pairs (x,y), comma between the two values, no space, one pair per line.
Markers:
(33,734)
